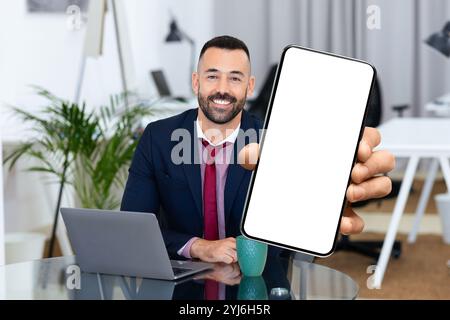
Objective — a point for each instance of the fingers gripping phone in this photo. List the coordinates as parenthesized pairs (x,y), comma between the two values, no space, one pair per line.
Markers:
(313,126)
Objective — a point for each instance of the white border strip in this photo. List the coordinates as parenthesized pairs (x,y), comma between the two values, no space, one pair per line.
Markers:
(2,214)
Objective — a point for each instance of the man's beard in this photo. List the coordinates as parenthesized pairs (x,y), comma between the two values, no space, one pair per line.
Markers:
(219,115)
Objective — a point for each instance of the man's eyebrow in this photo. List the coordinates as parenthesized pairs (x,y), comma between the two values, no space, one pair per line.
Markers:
(236,72)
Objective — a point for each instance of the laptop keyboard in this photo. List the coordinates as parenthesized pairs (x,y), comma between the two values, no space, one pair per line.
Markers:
(177,271)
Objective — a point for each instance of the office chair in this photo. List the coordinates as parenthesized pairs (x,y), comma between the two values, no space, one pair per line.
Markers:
(372,248)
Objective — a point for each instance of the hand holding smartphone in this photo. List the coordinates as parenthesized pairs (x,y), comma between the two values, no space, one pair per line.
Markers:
(314,123)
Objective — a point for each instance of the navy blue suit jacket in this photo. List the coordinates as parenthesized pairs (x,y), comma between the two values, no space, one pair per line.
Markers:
(173,191)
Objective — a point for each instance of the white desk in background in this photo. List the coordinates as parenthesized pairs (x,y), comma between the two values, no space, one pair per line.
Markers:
(439,107)
(414,139)
(165,108)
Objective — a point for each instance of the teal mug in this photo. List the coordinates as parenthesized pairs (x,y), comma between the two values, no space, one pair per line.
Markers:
(252,256)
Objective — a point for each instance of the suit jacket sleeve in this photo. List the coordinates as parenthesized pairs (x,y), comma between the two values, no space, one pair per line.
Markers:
(142,195)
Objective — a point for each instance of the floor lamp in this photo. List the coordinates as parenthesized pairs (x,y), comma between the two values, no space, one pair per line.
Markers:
(93,47)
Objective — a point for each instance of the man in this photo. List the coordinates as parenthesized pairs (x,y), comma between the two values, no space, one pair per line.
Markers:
(199,205)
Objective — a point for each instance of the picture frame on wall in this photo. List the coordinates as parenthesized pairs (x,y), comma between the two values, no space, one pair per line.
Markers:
(55,6)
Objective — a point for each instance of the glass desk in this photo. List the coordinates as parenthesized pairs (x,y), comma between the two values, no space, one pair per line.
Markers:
(282,279)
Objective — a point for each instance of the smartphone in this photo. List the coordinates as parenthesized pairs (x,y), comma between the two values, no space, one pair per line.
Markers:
(312,129)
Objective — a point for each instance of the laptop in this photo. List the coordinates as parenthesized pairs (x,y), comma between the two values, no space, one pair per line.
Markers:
(163,87)
(123,243)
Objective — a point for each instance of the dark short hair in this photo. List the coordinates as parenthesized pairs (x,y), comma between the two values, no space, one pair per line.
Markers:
(225,42)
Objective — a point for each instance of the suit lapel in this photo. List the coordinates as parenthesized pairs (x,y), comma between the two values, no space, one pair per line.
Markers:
(193,170)
(234,179)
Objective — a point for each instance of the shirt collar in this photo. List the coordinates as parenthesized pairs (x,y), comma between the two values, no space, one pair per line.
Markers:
(231,138)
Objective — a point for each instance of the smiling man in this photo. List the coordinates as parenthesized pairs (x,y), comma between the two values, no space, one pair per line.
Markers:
(200,205)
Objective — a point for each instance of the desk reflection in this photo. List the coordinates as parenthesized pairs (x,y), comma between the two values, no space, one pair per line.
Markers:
(231,284)
(282,279)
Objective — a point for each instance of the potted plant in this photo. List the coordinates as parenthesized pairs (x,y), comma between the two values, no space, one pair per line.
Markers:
(89,150)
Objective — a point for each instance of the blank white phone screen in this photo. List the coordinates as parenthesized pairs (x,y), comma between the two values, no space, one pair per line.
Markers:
(316,119)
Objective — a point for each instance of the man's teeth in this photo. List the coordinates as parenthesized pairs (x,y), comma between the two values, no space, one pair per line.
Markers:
(218,101)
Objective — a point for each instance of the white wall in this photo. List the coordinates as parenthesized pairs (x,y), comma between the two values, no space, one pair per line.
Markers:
(38,49)
(248,21)
(2,214)
(2,220)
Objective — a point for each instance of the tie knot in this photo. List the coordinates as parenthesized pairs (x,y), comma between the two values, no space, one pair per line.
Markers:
(212,150)
(205,143)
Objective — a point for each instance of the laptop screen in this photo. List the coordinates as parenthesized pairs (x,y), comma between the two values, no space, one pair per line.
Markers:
(161,83)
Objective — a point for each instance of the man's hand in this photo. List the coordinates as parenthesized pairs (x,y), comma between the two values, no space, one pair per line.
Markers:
(366,180)
(229,274)
(215,251)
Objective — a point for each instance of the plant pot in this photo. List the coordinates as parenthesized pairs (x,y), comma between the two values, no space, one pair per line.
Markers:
(443,205)
(24,246)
